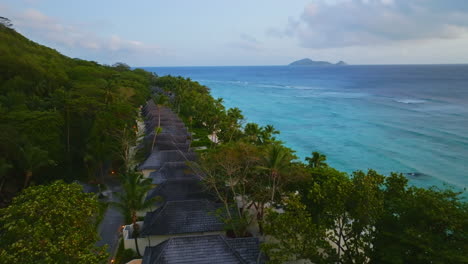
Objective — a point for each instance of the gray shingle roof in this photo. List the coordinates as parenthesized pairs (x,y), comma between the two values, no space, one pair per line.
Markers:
(247,247)
(157,159)
(173,171)
(178,190)
(182,217)
(204,249)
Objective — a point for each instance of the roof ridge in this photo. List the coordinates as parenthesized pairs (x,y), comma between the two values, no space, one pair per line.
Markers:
(233,250)
(163,249)
(158,214)
(189,200)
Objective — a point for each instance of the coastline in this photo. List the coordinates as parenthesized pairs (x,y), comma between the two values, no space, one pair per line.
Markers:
(329,118)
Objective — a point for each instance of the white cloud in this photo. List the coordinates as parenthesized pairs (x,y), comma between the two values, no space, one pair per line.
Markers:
(344,23)
(81,42)
(247,42)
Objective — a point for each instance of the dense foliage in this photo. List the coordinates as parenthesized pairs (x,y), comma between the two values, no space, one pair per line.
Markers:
(193,102)
(53,223)
(62,118)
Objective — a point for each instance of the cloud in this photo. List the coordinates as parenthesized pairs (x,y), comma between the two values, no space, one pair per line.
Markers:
(248,38)
(343,23)
(247,42)
(81,42)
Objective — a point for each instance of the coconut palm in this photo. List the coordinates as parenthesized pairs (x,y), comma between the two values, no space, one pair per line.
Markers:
(317,160)
(159,100)
(274,166)
(276,161)
(133,199)
(157,131)
(252,132)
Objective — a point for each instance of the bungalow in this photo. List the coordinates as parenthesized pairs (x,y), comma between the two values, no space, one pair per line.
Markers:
(175,219)
(179,190)
(157,159)
(205,249)
(173,171)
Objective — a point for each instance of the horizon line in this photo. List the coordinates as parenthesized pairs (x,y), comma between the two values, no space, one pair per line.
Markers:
(317,66)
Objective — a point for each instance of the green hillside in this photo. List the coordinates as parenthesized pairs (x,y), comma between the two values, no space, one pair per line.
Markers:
(61,118)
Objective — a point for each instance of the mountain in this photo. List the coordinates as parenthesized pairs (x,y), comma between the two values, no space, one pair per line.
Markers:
(55,110)
(309,62)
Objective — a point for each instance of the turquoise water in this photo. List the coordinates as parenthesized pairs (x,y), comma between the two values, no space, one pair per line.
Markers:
(409,119)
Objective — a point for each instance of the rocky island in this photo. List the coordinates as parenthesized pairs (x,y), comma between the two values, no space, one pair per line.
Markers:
(309,62)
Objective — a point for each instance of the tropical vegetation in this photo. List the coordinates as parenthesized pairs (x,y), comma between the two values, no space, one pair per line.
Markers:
(133,199)
(62,118)
(53,223)
(68,119)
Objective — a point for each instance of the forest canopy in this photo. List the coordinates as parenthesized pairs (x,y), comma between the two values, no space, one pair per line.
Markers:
(61,118)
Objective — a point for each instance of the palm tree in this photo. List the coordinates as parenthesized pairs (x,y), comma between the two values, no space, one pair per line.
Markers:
(159,100)
(276,160)
(252,131)
(317,160)
(157,131)
(132,199)
(267,133)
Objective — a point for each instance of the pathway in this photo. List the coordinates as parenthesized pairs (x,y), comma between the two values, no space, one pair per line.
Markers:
(113,219)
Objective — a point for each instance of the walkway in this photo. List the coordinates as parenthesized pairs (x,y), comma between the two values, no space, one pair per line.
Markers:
(113,219)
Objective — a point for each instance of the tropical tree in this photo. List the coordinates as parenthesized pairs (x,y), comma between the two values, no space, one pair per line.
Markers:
(53,223)
(157,130)
(159,100)
(420,225)
(296,236)
(230,127)
(276,163)
(133,199)
(317,160)
(227,172)
(260,135)
(4,167)
(5,22)
(275,170)
(70,108)
(33,158)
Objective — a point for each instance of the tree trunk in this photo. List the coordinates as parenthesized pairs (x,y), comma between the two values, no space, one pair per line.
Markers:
(1,184)
(260,218)
(27,178)
(136,232)
(101,169)
(273,175)
(68,130)
(156,130)
(159,116)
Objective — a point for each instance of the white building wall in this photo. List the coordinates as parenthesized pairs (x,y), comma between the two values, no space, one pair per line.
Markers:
(146,173)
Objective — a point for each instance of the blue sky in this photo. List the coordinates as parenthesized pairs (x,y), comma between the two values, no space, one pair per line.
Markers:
(247,32)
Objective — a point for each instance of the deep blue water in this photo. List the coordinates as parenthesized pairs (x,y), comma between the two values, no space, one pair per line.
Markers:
(409,119)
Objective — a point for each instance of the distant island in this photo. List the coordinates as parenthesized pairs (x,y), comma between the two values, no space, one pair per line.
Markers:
(309,62)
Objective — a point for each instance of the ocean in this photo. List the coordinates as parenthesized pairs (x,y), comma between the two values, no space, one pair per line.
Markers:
(411,119)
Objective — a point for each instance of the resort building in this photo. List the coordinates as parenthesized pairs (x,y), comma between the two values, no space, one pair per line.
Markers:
(205,249)
(175,219)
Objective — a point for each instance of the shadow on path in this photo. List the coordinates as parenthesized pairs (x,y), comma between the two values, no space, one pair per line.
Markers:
(109,227)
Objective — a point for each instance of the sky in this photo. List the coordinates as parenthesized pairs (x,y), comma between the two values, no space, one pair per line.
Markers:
(247,32)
